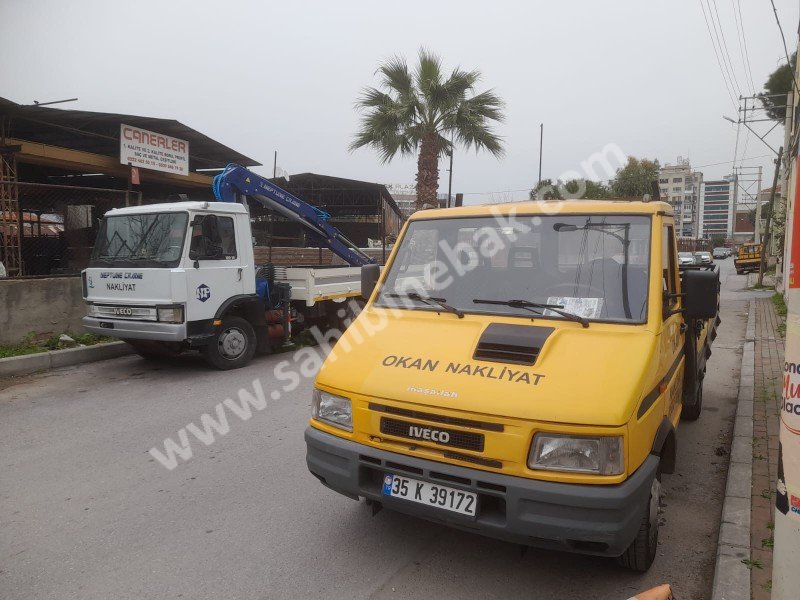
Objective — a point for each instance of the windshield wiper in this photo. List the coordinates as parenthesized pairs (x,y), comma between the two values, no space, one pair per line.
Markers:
(430,301)
(531,306)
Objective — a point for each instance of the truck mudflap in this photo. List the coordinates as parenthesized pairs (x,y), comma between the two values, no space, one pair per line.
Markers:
(588,519)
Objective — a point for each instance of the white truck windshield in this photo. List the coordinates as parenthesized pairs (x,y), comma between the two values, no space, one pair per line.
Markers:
(592,266)
(146,240)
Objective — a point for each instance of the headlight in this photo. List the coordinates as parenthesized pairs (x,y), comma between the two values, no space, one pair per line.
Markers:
(336,410)
(601,455)
(93,312)
(170,314)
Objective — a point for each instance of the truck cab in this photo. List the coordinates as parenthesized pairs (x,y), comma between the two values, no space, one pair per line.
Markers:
(521,371)
(163,278)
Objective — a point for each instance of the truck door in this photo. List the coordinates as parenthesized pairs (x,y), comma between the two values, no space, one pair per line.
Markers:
(213,272)
(670,367)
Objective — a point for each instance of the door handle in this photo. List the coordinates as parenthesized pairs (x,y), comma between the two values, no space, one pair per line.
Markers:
(240,273)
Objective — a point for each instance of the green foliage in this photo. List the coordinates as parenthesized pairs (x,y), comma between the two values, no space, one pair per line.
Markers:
(546,190)
(410,105)
(31,345)
(752,563)
(780,308)
(717,240)
(779,82)
(574,188)
(636,178)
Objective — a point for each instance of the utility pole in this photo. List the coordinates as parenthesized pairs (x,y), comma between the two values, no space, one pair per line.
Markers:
(785,574)
(770,211)
(275,165)
(734,203)
(757,230)
(450,182)
(541,140)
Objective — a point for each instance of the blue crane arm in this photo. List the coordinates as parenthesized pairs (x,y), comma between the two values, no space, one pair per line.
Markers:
(237,181)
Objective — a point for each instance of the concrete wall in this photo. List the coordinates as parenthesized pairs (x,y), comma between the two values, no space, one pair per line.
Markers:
(42,306)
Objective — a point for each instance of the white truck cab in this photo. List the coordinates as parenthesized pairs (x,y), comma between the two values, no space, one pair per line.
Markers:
(171,277)
(165,273)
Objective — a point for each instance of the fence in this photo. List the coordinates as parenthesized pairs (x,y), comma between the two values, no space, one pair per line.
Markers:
(56,225)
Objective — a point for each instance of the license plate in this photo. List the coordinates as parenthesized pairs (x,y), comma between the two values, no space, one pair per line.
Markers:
(431,494)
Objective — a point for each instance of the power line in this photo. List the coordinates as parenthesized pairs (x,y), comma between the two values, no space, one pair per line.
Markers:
(728,162)
(737,7)
(726,53)
(785,49)
(719,62)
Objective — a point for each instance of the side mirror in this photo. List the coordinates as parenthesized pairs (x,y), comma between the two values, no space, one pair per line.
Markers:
(700,290)
(369,279)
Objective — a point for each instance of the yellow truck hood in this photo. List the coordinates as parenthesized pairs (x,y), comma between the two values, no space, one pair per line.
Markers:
(590,376)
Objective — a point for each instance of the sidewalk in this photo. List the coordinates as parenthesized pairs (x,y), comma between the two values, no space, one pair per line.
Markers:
(769,346)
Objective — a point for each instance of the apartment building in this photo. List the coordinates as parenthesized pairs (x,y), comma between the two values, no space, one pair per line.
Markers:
(680,186)
(716,212)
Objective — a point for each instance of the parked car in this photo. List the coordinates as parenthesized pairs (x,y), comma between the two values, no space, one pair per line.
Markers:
(687,258)
(721,252)
(704,258)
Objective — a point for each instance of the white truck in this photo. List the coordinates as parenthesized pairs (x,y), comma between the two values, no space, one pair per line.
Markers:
(172,277)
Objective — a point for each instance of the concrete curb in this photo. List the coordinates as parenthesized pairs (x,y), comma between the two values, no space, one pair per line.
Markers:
(44,361)
(731,575)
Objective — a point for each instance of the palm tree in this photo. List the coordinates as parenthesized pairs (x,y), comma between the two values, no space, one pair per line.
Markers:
(423,111)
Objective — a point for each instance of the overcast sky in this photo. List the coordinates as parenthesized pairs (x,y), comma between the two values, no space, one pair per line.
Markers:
(261,76)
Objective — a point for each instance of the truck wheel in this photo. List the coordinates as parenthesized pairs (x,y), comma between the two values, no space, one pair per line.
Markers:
(642,551)
(233,346)
(692,413)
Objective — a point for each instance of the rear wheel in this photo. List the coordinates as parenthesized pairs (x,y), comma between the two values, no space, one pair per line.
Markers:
(692,412)
(233,345)
(642,551)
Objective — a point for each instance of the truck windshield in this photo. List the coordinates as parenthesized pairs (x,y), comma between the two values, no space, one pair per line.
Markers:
(146,240)
(590,266)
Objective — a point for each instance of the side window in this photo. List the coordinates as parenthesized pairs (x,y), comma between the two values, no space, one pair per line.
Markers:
(213,238)
(668,263)
(228,237)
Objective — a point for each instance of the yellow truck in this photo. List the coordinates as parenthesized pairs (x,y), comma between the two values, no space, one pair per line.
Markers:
(748,258)
(520,371)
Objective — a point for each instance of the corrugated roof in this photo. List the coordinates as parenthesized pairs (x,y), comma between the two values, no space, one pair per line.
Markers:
(98,133)
(339,183)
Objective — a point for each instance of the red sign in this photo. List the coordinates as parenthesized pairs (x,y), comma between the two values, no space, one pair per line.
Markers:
(135,175)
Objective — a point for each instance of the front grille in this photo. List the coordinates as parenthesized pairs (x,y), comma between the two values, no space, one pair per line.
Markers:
(454,439)
(423,416)
(133,313)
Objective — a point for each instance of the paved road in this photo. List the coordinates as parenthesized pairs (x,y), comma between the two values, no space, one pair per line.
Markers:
(86,512)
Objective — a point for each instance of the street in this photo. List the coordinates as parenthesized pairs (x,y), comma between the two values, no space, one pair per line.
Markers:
(87,512)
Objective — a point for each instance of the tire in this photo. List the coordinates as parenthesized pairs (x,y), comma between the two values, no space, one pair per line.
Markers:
(233,346)
(642,551)
(692,413)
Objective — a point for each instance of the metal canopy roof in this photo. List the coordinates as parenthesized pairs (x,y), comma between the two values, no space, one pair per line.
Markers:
(302,183)
(98,133)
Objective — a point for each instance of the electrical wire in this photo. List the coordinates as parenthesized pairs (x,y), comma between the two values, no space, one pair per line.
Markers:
(719,61)
(726,53)
(737,7)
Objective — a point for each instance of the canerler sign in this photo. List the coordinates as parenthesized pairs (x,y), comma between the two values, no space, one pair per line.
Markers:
(150,150)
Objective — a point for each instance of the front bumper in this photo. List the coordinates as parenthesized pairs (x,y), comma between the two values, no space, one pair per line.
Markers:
(589,519)
(137,330)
